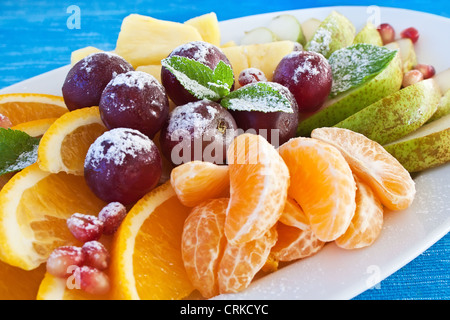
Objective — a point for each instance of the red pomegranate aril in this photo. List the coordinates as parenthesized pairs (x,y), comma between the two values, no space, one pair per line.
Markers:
(85,227)
(251,75)
(5,122)
(91,280)
(112,216)
(95,255)
(387,32)
(411,77)
(427,70)
(410,33)
(62,258)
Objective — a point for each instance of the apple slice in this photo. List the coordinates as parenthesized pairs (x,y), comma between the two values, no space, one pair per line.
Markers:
(309,27)
(425,148)
(258,35)
(287,27)
(407,53)
(396,115)
(443,80)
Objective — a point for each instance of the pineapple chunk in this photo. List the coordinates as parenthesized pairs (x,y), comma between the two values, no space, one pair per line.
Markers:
(145,40)
(79,54)
(208,27)
(264,56)
(153,69)
(230,43)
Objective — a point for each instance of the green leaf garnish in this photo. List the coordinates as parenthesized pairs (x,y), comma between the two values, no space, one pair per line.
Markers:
(18,150)
(200,80)
(260,96)
(355,65)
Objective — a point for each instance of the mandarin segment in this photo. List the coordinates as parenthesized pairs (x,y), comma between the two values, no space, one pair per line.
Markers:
(294,216)
(367,222)
(390,181)
(203,242)
(198,181)
(322,184)
(294,243)
(259,180)
(240,262)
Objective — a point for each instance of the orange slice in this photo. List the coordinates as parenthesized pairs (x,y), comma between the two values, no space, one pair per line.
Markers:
(24,107)
(18,284)
(294,243)
(240,262)
(54,288)
(35,128)
(390,181)
(203,241)
(146,260)
(64,145)
(322,183)
(294,216)
(34,206)
(259,180)
(367,222)
(197,181)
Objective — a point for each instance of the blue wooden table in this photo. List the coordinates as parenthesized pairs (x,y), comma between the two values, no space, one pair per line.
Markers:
(35,38)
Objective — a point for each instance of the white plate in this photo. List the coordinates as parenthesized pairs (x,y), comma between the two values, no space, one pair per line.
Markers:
(336,273)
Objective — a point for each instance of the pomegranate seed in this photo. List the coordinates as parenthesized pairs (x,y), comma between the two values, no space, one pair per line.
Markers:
(5,122)
(410,33)
(387,32)
(412,77)
(427,70)
(95,255)
(62,258)
(91,280)
(85,227)
(251,75)
(112,216)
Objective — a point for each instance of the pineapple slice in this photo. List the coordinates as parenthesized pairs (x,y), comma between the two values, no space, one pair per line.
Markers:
(264,56)
(208,27)
(145,40)
(230,43)
(153,69)
(79,54)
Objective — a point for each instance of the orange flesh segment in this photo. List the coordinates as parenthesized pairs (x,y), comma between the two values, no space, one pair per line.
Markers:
(18,284)
(20,112)
(259,180)
(75,145)
(322,184)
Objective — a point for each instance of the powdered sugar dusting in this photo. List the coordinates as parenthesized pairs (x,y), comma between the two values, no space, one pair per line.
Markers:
(200,50)
(116,145)
(321,41)
(138,79)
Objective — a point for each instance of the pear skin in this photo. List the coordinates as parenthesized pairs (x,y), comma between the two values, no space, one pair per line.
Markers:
(344,105)
(335,32)
(396,115)
(425,148)
(368,34)
(443,108)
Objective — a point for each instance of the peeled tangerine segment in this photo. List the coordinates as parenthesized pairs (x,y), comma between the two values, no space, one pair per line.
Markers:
(367,222)
(203,241)
(197,181)
(259,180)
(390,181)
(322,184)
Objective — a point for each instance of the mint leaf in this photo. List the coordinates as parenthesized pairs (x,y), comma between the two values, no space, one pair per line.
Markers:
(200,80)
(259,96)
(17,150)
(355,65)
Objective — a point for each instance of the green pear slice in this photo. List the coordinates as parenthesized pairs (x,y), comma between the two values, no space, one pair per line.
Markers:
(258,35)
(309,27)
(443,107)
(369,34)
(396,115)
(335,32)
(425,148)
(443,80)
(344,105)
(407,53)
(287,27)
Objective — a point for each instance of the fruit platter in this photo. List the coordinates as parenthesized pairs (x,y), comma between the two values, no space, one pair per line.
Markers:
(293,155)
